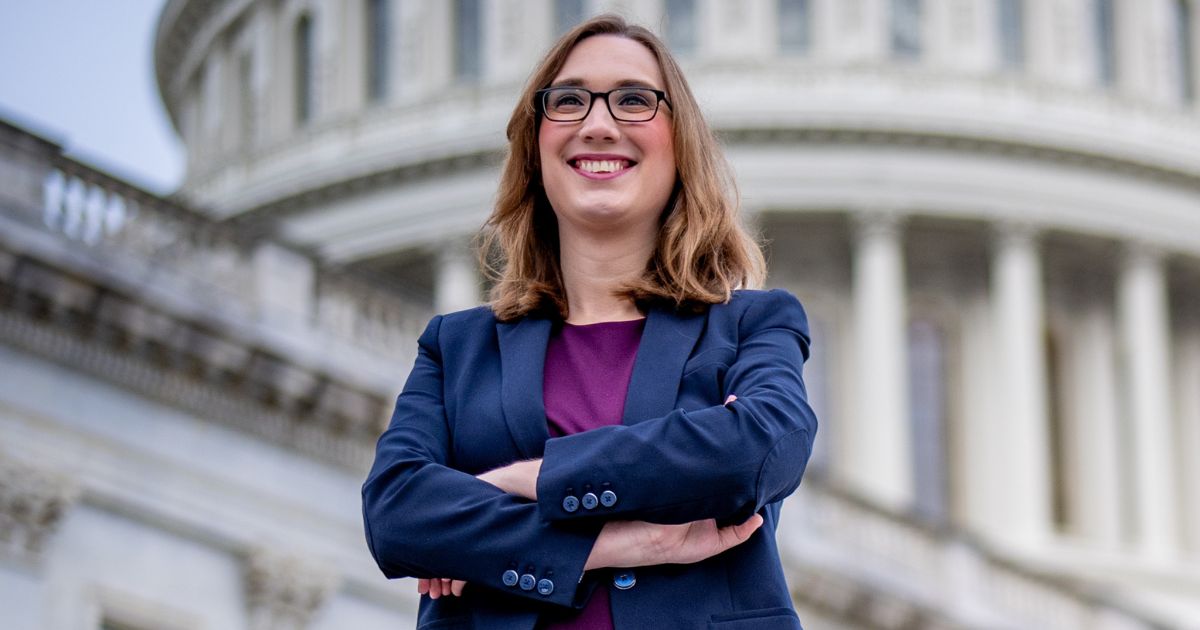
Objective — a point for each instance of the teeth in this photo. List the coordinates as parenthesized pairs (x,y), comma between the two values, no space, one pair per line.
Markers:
(601,166)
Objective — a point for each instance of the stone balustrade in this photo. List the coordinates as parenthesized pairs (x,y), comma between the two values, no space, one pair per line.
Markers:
(843,554)
(104,276)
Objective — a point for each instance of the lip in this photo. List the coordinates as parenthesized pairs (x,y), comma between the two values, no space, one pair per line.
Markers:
(600,157)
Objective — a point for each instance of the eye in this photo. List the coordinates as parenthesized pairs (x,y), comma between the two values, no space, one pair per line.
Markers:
(565,100)
(635,100)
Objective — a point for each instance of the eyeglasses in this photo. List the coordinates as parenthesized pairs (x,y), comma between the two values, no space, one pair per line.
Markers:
(572,104)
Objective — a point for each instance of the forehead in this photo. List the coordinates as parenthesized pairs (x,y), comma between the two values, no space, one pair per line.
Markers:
(602,61)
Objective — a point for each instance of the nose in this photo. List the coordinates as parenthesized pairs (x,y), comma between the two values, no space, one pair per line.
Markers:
(599,124)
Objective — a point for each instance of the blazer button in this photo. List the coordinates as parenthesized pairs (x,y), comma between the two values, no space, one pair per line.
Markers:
(590,501)
(510,578)
(570,503)
(608,498)
(624,580)
(527,582)
(545,587)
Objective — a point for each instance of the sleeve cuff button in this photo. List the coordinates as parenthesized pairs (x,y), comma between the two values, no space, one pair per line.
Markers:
(509,578)
(545,587)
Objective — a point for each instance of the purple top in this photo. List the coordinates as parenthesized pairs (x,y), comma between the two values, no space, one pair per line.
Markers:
(586,379)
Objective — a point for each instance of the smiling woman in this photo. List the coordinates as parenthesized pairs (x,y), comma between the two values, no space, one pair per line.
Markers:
(609,441)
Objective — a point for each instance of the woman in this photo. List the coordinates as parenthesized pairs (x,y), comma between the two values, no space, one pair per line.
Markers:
(606,445)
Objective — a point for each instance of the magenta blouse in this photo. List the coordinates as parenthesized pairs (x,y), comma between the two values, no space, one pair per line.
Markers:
(586,379)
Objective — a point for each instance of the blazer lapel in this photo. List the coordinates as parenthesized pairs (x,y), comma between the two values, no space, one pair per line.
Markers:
(522,359)
(667,342)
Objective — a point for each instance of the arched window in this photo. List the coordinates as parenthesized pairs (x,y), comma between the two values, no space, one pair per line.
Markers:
(1185,49)
(682,26)
(468,40)
(1010,20)
(567,13)
(304,80)
(795,26)
(1106,45)
(379,48)
(906,28)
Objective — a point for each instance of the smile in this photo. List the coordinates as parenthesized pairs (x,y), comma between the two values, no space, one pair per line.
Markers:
(601,169)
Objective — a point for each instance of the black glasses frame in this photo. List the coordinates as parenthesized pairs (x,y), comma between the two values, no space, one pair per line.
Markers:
(542,94)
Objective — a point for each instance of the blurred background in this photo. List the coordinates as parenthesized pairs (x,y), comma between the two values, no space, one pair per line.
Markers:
(224,224)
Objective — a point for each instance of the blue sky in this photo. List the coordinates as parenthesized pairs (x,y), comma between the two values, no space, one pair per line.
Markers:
(80,72)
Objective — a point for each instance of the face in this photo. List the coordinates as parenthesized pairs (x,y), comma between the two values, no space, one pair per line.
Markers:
(600,173)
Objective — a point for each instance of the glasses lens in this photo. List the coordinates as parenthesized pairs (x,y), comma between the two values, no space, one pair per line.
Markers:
(566,103)
(633,104)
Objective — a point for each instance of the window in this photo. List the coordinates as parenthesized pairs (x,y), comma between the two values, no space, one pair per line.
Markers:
(304,51)
(379,46)
(906,29)
(1011,22)
(682,26)
(927,413)
(817,386)
(246,116)
(1185,49)
(567,13)
(1106,56)
(1060,507)
(468,36)
(795,26)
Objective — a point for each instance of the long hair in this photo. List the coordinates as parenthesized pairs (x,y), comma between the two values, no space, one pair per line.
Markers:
(702,252)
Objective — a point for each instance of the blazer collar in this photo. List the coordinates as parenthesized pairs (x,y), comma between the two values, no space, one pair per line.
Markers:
(667,342)
(522,359)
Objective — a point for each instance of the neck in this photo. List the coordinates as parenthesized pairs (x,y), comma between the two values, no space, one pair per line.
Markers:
(594,266)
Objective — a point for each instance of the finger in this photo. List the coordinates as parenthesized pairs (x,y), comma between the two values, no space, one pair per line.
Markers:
(733,535)
(456,587)
(422,586)
(435,589)
(446,587)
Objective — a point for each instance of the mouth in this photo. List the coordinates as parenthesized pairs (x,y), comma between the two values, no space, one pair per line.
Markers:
(597,168)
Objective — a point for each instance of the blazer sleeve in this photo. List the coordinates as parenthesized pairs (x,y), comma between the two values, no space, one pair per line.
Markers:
(725,461)
(425,519)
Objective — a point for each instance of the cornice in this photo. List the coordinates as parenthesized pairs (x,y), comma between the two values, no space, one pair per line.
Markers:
(96,330)
(967,144)
(262,219)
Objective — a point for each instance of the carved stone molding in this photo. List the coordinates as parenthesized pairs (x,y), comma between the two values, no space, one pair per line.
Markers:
(33,502)
(284,591)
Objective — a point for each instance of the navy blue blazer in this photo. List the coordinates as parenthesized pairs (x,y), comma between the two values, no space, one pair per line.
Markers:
(473,402)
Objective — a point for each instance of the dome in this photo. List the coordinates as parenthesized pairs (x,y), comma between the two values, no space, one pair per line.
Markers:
(991,209)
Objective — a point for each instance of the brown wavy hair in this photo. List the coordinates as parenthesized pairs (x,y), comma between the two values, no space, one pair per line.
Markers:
(702,252)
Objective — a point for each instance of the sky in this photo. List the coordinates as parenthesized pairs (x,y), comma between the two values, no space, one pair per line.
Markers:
(81,74)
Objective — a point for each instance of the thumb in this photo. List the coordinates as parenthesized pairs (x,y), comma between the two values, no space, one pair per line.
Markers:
(744,530)
(734,535)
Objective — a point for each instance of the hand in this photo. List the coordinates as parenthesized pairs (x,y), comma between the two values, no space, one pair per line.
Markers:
(518,478)
(638,543)
(438,587)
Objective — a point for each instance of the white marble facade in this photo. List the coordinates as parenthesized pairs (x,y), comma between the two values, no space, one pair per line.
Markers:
(991,209)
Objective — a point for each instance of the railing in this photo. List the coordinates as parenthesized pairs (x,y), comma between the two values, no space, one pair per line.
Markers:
(152,244)
(955,579)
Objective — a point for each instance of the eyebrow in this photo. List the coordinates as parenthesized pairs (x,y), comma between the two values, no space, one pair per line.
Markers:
(573,82)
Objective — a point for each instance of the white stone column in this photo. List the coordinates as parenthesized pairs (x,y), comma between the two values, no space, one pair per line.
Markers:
(1187,406)
(457,284)
(1092,427)
(879,437)
(1021,470)
(974,457)
(1142,310)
